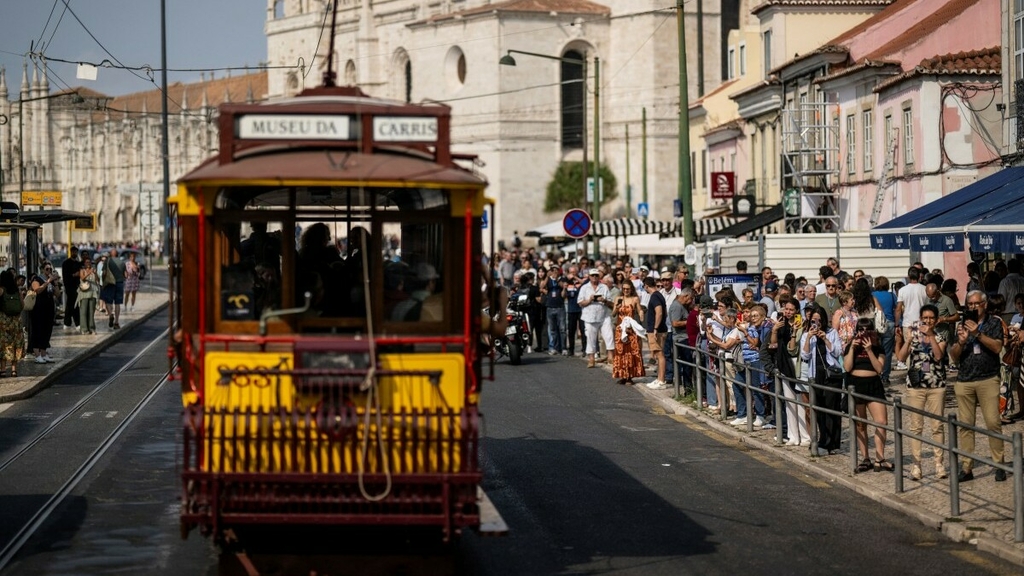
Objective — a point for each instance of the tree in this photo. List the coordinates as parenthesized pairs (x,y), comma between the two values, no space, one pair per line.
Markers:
(565,191)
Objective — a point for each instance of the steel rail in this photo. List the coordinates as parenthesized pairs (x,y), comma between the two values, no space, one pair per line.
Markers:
(39,437)
(22,536)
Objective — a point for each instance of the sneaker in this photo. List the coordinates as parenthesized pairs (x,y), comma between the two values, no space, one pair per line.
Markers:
(793,442)
(39,360)
(657,385)
(900,366)
(565,353)
(740,421)
(768,426)
(759,423)
(552,353)
(915,472)
(47,359)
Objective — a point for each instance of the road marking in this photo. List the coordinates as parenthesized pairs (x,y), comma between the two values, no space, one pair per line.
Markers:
(112,414)
(4,407)
(36,416)
(86,414)
(641,429)
(975,558)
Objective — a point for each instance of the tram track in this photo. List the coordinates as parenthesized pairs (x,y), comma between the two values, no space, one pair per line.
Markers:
(56,443)
(78,405)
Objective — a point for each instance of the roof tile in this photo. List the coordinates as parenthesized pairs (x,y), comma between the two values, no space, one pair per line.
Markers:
(984,62)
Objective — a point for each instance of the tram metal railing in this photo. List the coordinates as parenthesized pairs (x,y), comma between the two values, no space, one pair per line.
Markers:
(700,367)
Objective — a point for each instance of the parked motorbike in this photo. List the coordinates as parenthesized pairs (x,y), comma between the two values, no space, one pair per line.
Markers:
(517,336)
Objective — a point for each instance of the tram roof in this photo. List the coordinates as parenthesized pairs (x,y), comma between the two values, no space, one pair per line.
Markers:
(283,165)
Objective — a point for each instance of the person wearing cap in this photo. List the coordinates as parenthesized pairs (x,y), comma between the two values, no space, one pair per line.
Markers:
(656,317)
(573,313)
(553,293)
(591,299)
(669,292)
(771,289)
(645,272)
(422,304)
(706,318)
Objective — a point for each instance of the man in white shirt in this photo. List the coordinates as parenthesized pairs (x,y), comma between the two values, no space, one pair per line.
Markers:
(910,299)
(591,299)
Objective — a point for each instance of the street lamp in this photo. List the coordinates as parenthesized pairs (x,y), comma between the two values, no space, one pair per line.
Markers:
(508,60)
(3,122)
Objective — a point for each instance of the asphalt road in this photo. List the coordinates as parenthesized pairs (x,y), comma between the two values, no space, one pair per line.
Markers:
(588,475)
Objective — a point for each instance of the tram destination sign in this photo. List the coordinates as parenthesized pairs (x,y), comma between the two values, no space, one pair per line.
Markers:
(405,129)
(293,127)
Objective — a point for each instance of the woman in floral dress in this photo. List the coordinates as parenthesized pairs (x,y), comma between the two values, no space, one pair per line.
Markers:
(12,336)
(131,281)
(628,362)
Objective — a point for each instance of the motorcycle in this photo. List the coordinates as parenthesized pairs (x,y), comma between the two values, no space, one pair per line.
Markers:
(516,340)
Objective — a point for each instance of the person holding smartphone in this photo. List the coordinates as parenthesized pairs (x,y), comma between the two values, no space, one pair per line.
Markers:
(924,351)
(863,360)
(591,299)
(978,344)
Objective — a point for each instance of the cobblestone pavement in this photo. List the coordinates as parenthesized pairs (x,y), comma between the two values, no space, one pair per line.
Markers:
(986,507)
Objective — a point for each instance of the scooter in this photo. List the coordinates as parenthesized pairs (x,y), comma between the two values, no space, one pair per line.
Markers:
(517,335)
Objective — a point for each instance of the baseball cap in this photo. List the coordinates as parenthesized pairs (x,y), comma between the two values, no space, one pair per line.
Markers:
(707,301)
(594,272)
(644,268)
(771,286)
(666,275)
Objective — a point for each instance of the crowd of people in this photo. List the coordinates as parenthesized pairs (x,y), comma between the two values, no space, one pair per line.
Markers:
(31,305)
(844,332)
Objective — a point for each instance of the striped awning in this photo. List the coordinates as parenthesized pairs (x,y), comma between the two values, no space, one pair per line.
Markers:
(708,226)
(633,226)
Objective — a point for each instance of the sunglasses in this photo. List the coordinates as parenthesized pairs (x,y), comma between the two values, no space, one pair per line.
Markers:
(831,285)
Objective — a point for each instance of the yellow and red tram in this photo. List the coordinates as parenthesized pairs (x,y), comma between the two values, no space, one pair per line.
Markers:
(326,318)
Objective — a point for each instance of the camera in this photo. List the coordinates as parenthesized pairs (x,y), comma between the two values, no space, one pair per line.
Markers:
(707,315)
(815,325)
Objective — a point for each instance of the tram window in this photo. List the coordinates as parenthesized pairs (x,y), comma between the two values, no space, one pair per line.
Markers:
(414,280)
(250,257)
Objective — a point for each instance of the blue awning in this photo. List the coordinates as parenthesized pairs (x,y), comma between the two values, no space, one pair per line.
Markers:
(895,234)
(1002,231)
(946,233)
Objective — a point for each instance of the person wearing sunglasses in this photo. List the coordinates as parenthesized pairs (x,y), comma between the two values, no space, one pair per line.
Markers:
(978,345)
(829,300)
(924,351)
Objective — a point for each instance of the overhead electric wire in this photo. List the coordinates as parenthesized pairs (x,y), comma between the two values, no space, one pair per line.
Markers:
(47,24)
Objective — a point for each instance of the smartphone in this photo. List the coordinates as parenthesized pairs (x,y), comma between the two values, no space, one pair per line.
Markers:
(708,315)
(971,315)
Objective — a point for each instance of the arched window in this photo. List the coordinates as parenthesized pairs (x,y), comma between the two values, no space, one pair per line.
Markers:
(350,73)
(573,99)
(401,88)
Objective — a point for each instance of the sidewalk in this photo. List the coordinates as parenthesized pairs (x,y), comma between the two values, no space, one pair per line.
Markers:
(986,507)
(70,348)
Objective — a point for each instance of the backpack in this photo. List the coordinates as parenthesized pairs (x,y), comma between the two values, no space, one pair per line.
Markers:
(11,304)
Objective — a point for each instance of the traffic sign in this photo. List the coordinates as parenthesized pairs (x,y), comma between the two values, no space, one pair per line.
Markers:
(576,223)
(483,219)
(643,210)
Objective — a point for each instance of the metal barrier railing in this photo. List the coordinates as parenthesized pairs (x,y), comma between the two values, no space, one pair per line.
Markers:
(705,367)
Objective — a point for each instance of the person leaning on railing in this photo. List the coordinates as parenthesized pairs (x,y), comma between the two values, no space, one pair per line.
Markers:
(979,341)
(924,351)
(820,349)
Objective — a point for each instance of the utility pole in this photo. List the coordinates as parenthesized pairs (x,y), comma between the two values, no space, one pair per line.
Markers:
(598,196)
(629,187)
(685,192)
(643,150)
(165,237)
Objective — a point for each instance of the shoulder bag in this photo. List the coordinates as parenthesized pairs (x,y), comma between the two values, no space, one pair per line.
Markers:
(30,301)
(1012,356)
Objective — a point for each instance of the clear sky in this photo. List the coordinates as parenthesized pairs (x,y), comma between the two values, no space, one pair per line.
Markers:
(200,34)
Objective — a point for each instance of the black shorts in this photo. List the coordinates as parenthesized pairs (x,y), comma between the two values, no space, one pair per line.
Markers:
(866,386)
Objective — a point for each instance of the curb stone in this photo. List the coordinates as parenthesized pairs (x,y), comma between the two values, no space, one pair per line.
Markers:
(73,362)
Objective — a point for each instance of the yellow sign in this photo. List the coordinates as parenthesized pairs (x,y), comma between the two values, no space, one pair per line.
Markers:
(42,198)
(84,224)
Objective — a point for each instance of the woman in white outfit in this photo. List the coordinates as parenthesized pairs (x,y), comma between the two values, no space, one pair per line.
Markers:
(784,348)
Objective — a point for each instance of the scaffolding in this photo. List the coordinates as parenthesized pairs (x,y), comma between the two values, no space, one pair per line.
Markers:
(810,164)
